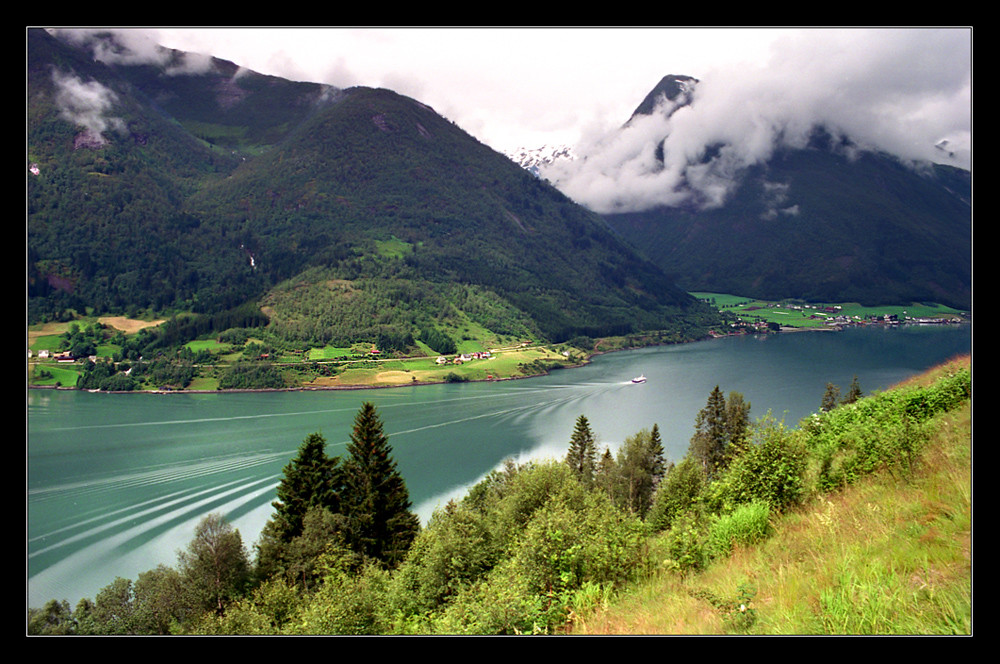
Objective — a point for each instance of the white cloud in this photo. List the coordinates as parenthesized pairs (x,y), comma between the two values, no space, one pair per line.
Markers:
(904,91)
(86,104)
(131,47)
(898,91)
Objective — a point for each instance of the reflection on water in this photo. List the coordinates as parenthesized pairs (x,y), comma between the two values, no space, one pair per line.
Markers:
(116,483)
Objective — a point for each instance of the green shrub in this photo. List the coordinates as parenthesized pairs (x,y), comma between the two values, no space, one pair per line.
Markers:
(736,611)
(515,556)
(685,544)
(679,492)
(502,606)
(266,611)
(453,552)
(563,547)
(347,604)
(882,431)
(771,470)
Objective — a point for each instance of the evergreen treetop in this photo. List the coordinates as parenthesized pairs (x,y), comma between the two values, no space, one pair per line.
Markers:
(721,430)
(375,500)
(582,455)
(311,479)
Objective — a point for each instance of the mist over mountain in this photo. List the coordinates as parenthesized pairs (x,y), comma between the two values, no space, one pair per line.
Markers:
(900,93)
(745,186)
(162,181)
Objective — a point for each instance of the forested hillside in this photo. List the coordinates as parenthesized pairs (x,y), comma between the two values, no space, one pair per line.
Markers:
(182,189)
(822,226)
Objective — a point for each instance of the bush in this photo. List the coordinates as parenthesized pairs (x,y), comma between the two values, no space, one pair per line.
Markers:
(680,491)
(514,556)
(347,604)
(685,544)
(452,553)
(882,431)
(772,470)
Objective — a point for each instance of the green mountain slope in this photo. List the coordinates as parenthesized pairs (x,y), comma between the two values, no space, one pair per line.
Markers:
(108,178)
(366,207)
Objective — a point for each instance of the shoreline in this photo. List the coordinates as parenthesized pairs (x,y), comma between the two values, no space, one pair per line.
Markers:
(336,388)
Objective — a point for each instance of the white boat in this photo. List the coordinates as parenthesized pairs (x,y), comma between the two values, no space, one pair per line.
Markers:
(639,379)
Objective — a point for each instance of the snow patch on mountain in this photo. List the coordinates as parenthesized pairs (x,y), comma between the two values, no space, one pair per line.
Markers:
(534,160)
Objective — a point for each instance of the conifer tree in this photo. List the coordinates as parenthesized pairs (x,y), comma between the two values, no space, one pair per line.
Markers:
(375,500)
(853,392)
(312,479)
(658,460)
(830,397)
(737,425)
(605,475)
(721,431)
(582,455)
(708,444)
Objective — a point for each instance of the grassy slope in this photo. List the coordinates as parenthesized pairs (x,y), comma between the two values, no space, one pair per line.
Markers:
(889,555)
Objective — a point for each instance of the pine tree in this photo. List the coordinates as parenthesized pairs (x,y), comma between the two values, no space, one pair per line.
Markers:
(830,397)
(605,475)
(853,392)
(708,445)
(737,426)
(375,500)
(658,460)
(312,479)
(582,455)
(721,431)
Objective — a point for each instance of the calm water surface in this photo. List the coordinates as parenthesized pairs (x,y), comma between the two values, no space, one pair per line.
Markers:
(116,483)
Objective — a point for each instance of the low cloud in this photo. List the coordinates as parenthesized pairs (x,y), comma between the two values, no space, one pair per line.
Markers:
(86,104)
(904,92)
(136,47)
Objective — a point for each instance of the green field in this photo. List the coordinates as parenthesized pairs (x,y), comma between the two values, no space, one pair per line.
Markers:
(49,342)
(795,313)
(58,375)
(393,248)
(328,353)
(211,345)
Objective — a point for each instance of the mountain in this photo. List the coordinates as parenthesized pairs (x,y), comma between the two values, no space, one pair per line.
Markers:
(191,184)
(824,221)
(672,92)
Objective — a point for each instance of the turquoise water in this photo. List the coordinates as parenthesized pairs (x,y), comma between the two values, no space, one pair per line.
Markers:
(116,483)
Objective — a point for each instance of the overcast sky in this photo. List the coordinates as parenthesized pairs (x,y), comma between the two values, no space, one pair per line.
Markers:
(509,87)
(900,90)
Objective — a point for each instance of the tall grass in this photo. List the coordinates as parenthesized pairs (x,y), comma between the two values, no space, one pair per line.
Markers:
(747,525)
